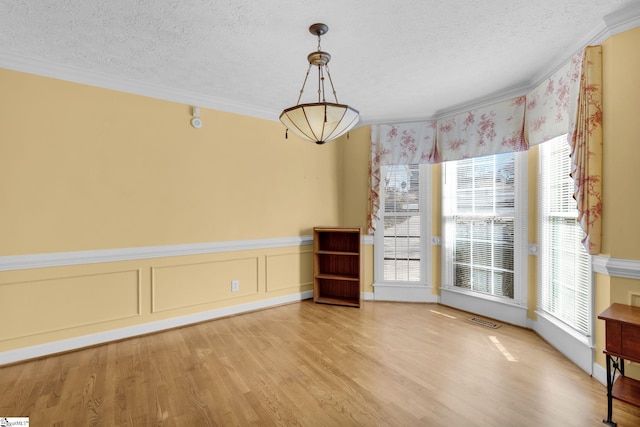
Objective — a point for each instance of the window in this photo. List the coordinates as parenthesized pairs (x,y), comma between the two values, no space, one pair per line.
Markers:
(402,248)
(401,216)
(484,226)
(564,265)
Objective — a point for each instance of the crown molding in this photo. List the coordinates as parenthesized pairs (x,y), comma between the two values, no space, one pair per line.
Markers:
(612,24)
(486,101)
(615,23)
(623,20)
(72,74)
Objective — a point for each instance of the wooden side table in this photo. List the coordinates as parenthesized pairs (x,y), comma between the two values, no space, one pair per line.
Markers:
(622,343)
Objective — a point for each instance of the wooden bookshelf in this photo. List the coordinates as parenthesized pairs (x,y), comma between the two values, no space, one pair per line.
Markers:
(337,265)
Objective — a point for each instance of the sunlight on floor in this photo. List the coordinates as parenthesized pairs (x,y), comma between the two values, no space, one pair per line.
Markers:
(502,349)
(442,314)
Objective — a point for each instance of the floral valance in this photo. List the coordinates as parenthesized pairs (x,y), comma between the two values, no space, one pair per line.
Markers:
(397,144)
(490,130)
(403,144)
(551,106)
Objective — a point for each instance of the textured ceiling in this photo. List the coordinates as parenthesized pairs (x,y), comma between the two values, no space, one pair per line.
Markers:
(391,60)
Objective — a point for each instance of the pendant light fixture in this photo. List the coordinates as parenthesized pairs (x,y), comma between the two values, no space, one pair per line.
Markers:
(320,121)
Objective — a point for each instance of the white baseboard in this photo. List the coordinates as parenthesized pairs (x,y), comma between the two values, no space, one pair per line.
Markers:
(368,296)
(26,353)
(599,373)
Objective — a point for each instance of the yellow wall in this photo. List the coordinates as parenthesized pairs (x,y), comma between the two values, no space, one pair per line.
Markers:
(532,230)
(621,147)
(86,169)
(621,174)
(354,159)
(436,227)
(601,298)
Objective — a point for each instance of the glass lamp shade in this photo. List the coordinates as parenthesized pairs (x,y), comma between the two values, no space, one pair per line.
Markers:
(320,122)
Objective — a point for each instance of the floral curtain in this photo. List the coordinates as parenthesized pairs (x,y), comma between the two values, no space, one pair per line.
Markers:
(585,139)
(551,105)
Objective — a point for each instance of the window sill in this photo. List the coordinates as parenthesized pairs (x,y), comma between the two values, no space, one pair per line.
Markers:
(404,292)
(487,297)
(577,347)
(483,305)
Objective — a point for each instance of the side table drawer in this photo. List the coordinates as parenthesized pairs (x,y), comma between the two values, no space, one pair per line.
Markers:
(630,345)
(614,337)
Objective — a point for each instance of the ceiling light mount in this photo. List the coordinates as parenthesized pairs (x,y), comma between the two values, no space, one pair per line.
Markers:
(320,121)
(318,29)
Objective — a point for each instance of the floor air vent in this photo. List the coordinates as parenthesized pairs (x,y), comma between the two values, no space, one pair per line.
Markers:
(483,322)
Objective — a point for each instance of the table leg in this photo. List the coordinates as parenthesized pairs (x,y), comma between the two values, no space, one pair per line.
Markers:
(610,379)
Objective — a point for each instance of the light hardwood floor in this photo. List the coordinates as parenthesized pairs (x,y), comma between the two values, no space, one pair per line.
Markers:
(305,364)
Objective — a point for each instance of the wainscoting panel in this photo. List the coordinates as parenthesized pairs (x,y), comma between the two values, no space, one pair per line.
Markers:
(61,301)
(57,303)
(187,285)
(289,270)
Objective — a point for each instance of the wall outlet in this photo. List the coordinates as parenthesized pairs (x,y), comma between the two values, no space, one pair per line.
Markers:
(235,285)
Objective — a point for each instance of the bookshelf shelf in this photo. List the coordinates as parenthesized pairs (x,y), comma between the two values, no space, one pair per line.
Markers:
(337,265)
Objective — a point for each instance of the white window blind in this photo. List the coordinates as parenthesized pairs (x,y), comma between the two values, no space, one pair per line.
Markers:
(564,266)
(401,216)
(480,224)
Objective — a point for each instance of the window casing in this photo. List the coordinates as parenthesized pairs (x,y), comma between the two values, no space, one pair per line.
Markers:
(484,226)
(402,251)
(564,278)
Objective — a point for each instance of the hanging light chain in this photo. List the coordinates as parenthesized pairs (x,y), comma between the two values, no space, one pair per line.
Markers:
(321,73)
(333,89)
(322,68)
(303,84)
(321,97)
(320,76)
